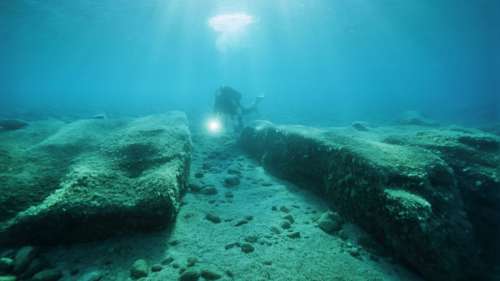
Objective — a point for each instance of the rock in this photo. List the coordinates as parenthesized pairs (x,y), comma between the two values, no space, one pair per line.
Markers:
(198,175)
(6,265)
(8,278)
(413,188)
(139,269)
(156,268)
(241,222)
(23,258)
(251,239)
(91,276)
(294,235)
(232,245)
(289,218)
(189,275)
(106,177)
(228,194)
(247,248)
(12,124)
(191,261)
(213,218)
(275,230)
(417,119)
(286,225)
(330,222)
(360,126)
(48,275)
(167,261)
(284,209)
(231,181)
(210,275)
(210,190)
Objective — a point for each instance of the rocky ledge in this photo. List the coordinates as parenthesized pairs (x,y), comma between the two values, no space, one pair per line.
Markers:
(90,179)
(429,194)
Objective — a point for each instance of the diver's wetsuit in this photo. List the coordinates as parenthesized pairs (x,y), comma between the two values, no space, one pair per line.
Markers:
(228,103)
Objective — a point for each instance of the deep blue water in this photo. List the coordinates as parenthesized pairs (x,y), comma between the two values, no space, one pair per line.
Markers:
(317,61)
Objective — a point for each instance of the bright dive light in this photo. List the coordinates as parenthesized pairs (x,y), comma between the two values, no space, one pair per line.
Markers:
(214,125)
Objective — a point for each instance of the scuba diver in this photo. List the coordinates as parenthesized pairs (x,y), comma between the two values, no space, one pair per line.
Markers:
(228,106)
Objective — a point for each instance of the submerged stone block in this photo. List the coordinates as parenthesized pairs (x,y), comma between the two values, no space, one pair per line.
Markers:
(405,194)
(91,179)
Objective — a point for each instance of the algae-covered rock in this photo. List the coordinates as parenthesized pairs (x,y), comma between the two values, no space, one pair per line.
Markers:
(409,187)
(90,179)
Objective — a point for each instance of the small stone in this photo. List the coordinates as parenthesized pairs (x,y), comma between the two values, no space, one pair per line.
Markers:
(189,275)
(229,194)
(213,218)
(195,187)
(8,278)
(267,262)
(247,248)
(210,275)
(286,225)
(275,230)
(176,265)
(23,258)
(229,273)
(139,269)
(231,181)
(330,222)
(232,245)
(210,190)
(289,218)
(156,268)
(174,242)
(294,235)
(284,209)
(91,276)
(274,208)
(6,264)
(48,275)
(191,261)
(249,218)
(360,126)
(241,222)
(167,261)
(251,239)
(198,175)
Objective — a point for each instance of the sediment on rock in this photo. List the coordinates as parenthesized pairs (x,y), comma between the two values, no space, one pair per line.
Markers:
(90,179)
(402,189)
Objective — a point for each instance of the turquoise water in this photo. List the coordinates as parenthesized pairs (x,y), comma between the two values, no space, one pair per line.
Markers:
(327,62)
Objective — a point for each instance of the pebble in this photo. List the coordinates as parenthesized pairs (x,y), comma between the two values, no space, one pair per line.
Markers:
(247,248)
(267,262)
(210,275)
(210,190)
(251,239)
(231,181)
(275,230)
(47,275)
(289,218)
(199,175)
(189,275)
(229,194)
(232,245)
(167,261)
(6,264)
(284,209)
(91,276)
(330,222)
(139,269)
(286,225)
(294,235)
(213,218)
(156,268)
(23,258)
(241,222)
(191,261)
